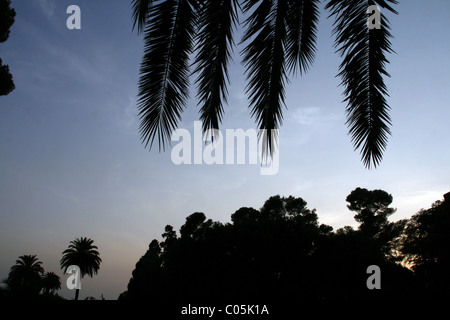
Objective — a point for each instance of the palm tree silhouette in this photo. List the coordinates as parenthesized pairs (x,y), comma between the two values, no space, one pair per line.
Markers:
(280,40)
(82,253)
(50,283)
(25,276)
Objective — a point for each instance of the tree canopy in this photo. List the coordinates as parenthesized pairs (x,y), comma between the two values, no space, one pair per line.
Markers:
(7,18)
(27,279)
(81,253)
(282,251)
(426,245)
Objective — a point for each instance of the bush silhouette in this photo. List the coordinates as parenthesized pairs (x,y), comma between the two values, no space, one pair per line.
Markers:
(281,251)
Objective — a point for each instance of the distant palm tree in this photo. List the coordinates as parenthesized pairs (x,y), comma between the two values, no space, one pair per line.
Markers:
(280,39)
(84,254)
(50,283)
(25,276)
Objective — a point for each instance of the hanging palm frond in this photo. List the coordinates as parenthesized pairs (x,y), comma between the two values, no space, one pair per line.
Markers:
(164,81)
(217,19)
(140,13)
(282,36)
(302,19)
(362,71)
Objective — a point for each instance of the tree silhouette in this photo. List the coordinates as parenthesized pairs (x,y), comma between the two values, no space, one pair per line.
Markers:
(24,278)
(7,15)
(372,209)
(372,212)
(280,40)
(50,283)
(82,253)
(426,246)
(280,251)
(146,274)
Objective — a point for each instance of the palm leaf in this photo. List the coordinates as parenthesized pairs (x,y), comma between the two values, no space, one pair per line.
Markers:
(140,13)
(164,81)
(362,71)
(302,19)
(282,36)
(217,20)
(264,60)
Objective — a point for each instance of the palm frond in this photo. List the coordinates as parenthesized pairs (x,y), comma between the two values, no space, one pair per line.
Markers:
(164,80)
(264,59)
(302,19)
(140,13)
(362,71)
(282,36)
(217,20)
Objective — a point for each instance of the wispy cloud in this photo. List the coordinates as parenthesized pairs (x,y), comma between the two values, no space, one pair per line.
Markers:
(308,116)
(416,200)
(127,116)
(47,6)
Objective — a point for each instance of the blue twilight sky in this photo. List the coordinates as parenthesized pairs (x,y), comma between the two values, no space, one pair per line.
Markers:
(72,163)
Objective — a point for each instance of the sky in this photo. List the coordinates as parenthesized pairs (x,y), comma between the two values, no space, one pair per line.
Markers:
(72,163)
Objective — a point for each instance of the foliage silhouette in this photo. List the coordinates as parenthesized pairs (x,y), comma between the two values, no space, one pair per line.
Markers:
(426,246)
(281,251)
(27,279)
(7,18)
(82,253)
(279,39)
(50,283)
(24,279)
(372,208)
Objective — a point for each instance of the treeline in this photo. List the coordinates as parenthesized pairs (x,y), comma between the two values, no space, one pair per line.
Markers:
(27,279)
(282,252)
